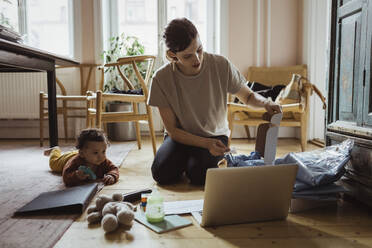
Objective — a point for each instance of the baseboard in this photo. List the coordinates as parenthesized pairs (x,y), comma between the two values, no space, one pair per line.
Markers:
(30,128)
(19,129)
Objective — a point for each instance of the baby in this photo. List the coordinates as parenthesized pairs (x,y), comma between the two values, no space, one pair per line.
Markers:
(91,153)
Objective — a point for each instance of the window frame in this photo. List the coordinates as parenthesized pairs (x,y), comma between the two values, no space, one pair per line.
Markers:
(73,6)
(111,13)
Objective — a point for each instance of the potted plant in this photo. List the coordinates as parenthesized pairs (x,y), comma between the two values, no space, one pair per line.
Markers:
(121,46)
(5,21)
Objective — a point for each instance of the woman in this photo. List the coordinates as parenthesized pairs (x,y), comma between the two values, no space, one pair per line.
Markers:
(191,95)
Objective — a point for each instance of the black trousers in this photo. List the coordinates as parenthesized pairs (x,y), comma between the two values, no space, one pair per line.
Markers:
(173,159)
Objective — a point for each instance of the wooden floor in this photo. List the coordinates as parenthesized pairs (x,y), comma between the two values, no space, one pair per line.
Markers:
(346,225)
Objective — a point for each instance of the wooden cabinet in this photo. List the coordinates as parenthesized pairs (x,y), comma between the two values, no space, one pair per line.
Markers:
(349,90)
(367,89)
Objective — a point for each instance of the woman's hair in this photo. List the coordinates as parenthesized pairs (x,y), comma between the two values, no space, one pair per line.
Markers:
(90,134)
(178,34)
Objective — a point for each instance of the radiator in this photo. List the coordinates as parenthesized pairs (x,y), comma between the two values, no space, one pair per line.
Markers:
(19,99)
(19,94)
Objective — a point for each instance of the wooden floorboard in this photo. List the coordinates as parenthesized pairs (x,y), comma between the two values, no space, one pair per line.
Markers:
(343,225)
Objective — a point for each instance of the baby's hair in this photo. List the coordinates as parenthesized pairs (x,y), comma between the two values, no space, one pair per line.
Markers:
(90,134)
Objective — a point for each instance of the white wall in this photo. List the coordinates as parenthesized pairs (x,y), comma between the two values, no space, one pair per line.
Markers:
(280,33)
(315,32)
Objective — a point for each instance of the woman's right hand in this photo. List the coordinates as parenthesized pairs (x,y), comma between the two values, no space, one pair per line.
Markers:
(216,147)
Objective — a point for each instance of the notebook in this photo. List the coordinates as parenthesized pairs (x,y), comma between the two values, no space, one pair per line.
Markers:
(70,200)
(171,222)
(246,194)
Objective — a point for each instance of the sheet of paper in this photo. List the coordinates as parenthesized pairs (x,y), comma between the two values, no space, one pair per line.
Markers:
(183,207)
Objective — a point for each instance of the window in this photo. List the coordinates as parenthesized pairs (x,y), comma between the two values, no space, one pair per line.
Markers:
(139,18)
(194,10)
(48,25)
(44,24)
(146,20)
(9,14)
(134,10)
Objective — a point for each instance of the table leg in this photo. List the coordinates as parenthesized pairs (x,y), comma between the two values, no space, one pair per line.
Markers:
(52,108)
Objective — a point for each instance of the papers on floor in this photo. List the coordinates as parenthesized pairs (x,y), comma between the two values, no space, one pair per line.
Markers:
(183,207)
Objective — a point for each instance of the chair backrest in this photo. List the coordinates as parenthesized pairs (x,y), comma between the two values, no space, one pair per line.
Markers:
(86,71)
(133,61)
(271,76)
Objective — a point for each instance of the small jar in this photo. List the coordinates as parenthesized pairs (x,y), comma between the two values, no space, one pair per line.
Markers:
(155,208)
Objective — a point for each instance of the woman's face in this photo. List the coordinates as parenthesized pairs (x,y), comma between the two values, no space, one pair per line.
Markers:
(189,61)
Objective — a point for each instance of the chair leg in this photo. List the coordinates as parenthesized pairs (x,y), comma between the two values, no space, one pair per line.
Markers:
(65,125)
(303,132)
(138,130)
(105,129)
(230,117)
(152,130)
(99,110)
(247,131)
(41,117)
(87,120)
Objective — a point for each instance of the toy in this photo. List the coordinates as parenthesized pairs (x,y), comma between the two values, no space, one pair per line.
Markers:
(88,171)
(112,212)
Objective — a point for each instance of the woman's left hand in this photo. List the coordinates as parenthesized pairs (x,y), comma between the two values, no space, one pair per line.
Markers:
(272,107)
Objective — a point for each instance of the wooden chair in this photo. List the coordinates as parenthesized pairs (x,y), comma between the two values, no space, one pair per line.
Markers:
(86,71)
(294,115)
(97,114)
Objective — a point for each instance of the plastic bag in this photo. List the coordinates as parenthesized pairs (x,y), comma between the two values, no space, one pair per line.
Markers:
(315,168)
(319,167)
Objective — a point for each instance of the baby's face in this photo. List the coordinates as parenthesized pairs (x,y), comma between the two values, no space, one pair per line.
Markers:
(94,152)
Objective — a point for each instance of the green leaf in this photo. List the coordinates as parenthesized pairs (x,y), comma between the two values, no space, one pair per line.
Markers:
(120,46)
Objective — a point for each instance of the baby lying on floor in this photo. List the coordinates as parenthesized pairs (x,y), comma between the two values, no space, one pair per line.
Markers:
(88,163)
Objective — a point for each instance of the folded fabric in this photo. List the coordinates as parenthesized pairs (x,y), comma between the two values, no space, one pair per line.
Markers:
(242,160)
(263,90)
(131,92)
(328,191)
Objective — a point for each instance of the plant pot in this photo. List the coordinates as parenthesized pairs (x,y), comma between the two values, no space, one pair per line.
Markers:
(121,131)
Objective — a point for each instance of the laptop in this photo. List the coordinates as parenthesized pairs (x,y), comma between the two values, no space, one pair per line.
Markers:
(246,194)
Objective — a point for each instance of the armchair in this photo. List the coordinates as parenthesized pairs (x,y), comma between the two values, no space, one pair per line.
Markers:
(294,114)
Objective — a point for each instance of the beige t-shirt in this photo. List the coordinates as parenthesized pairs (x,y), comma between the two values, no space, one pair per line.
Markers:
(200,101)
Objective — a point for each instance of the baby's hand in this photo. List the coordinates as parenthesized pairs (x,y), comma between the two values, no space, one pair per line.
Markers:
(108,179)
(81,175)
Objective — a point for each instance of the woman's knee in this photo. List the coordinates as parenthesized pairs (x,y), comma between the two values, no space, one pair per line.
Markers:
(166,171)
(169,162)
(197,175)
(198,165)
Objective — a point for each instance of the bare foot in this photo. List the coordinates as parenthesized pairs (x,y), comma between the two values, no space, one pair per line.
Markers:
(49,150)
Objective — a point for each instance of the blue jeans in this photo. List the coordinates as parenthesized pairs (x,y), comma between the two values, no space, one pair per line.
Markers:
(173,159)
